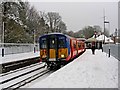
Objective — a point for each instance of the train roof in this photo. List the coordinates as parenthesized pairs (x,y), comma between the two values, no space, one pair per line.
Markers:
(58,34)
(54,34)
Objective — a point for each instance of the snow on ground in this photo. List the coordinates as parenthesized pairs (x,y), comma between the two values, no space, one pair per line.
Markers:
(16,57)
(87,71)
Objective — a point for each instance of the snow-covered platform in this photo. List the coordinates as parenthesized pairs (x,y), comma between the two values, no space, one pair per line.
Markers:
(18,57)
(87,71)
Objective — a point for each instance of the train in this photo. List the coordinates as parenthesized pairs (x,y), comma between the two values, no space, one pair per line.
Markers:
(57,49)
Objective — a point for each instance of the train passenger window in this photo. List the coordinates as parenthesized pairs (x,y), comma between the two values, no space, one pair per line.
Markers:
(43,43)
(74,46)
(83,46)
(79,45)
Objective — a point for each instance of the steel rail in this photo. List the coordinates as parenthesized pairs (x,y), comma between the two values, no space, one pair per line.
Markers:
(21,75)
(32,78)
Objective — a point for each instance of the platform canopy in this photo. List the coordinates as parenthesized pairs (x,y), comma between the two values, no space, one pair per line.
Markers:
(91,40)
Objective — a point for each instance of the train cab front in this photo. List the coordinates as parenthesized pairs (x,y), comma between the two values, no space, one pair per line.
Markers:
(53,49)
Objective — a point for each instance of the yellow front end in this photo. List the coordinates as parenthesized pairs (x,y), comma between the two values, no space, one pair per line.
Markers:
(52,53)
(62,54)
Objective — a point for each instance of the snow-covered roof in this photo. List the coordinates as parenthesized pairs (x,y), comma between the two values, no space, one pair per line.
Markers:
(92,39)
(101,38)
(109,40)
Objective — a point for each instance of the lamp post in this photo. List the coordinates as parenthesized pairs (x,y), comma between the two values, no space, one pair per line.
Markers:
(34,40)
(3,24)
(109,37)
(3,41)
(104,35)
(115,36)
(109,40)
(104,29)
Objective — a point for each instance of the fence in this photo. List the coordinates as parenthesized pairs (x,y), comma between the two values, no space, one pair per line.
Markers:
(15,48)
(114,50)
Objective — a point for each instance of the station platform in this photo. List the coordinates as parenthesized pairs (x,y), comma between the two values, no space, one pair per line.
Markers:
(18,57)
(87,71)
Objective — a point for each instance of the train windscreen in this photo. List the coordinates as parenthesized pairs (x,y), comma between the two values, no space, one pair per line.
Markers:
(43,43)
(61,41)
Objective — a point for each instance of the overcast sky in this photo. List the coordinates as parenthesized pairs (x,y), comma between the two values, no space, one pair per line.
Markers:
(77,15)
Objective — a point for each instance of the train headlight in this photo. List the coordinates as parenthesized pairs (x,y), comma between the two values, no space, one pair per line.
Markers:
(44,56)
(62,56)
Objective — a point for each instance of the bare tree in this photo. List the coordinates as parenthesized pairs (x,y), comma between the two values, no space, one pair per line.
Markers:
(53,19)
(53,22)
(61,27)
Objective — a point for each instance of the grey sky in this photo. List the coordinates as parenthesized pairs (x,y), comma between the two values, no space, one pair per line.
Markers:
(77,15)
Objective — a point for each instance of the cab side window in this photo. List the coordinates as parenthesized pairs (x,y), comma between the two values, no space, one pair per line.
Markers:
(43,43)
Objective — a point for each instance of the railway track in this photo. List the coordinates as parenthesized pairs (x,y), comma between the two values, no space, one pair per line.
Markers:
(22,77)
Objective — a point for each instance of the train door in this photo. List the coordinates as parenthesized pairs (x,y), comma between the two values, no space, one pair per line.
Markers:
(53,47)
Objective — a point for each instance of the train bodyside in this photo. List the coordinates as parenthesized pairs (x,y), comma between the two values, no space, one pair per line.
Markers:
(73,46)
(80,46)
